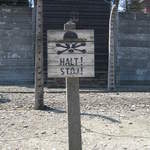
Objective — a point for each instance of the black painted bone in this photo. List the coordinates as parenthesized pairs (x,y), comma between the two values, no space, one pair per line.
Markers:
(60,52)
(71,47)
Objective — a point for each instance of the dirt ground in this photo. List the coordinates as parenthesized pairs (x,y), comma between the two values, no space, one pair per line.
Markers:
(110,121)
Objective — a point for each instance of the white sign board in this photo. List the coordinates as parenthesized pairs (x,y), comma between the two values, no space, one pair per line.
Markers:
(70,53)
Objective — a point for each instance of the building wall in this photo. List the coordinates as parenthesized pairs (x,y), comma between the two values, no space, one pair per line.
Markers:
(14,2)
(90,14)
(133,52)
(16,45)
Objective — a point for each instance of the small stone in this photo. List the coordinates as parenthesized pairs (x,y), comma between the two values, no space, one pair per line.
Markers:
(109,138)
(25,126)
(143,105)
(83,130)
(30,106)
(121,115)
(117,93)
(12,124)
(130,123)
(54,132)
(44,132)
(132,108)
(17,106)
(36,133)
(95,147)
(2,117)
(120,126)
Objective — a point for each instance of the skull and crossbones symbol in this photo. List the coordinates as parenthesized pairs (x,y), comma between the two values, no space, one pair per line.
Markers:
(71,43)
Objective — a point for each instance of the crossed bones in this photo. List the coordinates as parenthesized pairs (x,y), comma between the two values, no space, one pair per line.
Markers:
(71,47)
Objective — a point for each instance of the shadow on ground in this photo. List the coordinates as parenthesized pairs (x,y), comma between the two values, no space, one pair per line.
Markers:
(3,99)
(55,110)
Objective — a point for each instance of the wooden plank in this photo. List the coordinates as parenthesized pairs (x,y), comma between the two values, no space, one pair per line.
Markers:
(52,48)
(133,49)
(57,35)
(73,109)
(137,37)
(74,59)
(77,71)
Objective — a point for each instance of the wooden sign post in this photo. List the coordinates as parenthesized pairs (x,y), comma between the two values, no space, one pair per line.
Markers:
(39,104)
(70,56)
(73,106)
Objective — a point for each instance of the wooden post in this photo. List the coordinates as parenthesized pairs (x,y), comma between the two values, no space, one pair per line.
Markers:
(112,48)
(39,83)
(73,106)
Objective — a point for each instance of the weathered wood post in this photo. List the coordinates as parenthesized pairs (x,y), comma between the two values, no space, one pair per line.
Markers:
(112,48)
(39,83)
(73,106)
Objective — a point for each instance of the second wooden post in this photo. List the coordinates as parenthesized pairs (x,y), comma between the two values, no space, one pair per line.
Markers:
(39,81)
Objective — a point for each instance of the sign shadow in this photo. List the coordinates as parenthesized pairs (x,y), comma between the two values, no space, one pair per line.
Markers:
(56,110)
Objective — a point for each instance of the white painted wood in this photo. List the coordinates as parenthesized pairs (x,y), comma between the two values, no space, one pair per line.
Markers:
(52,49)
(57,35)
(76,56)
(74,59)
(56,72)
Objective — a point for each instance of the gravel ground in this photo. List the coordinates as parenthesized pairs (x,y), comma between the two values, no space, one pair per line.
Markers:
(110,121)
